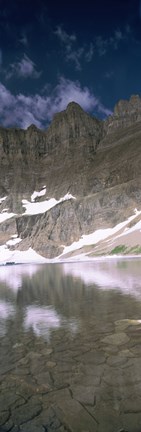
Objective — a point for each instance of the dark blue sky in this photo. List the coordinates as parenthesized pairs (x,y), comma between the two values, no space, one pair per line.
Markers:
(54,52)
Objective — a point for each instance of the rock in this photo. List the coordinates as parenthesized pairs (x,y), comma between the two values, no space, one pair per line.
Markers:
(75,417)
(93,160)
(125,113)
(116,339)
(27,412)
(83,394)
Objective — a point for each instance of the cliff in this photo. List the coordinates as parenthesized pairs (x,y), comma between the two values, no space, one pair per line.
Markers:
(97,162)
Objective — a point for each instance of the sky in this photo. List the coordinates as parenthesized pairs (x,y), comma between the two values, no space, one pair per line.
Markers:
(55,52)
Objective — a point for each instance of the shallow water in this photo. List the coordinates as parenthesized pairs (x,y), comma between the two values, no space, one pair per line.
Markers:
(70,347)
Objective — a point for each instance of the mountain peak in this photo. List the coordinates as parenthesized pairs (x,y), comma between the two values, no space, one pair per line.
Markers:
(127,106)
(73,106)
(126,113)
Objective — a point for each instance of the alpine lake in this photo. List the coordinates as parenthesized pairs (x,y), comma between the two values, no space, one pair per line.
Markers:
(70,347)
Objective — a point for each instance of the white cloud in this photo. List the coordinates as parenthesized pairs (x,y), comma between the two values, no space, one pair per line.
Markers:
(75,57)
(75,54)
(64,36)
(20,110)
(25,68)
(72,53)
(102,45)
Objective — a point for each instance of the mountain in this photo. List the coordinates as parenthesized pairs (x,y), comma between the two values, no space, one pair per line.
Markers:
(86,174)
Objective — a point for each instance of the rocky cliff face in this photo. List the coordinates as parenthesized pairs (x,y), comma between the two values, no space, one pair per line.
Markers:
(70,130)
(125,114)
(36,157)
(97,162)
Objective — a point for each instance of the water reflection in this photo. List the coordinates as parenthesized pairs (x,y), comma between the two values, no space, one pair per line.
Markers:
(124,275)
(7,310)
(41,320)
(12,275)
(47,297)
(71,327)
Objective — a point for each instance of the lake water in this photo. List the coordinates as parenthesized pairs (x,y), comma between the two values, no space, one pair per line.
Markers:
(70,347)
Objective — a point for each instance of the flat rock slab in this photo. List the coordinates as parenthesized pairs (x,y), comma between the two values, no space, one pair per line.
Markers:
(75,417)
(4,415)
(92,357)
(25,413)
(131,422)
(132,405)
(117,360)
(107,418)
(83,394)
(116,339)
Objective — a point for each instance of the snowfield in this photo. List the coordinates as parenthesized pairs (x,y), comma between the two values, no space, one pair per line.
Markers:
(8,256)
(32,208)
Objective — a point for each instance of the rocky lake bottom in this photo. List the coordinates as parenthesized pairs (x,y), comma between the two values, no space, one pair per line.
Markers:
(70,347)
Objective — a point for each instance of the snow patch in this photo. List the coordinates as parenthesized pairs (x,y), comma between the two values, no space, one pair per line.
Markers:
(5,210)
(4,216)
(22,257)
(13,242)
(32,208)
(2,199)
(137,212)
(98,235)
(38,194)
(136,227)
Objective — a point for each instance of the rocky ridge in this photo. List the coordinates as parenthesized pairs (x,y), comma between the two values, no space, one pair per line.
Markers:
(97,162)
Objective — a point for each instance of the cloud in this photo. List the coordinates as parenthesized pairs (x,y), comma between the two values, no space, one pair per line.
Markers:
(75,57)
(72,53)
(64,36)
(102,45)
(23,69)
(20,110)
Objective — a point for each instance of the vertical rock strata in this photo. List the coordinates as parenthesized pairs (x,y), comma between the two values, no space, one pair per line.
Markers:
(96,161)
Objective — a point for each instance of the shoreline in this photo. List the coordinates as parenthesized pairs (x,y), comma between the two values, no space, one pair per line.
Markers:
(72,260)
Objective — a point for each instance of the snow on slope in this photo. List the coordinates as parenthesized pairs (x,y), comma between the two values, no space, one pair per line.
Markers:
(136,227)
(13,241)
(99,235)
(4,216)
(6,255)
(30,256)
(2,199)
(17,257)
(32,208)
(38,194)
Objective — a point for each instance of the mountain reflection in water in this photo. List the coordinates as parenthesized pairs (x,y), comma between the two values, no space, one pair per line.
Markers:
(53,296)
(70,346)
